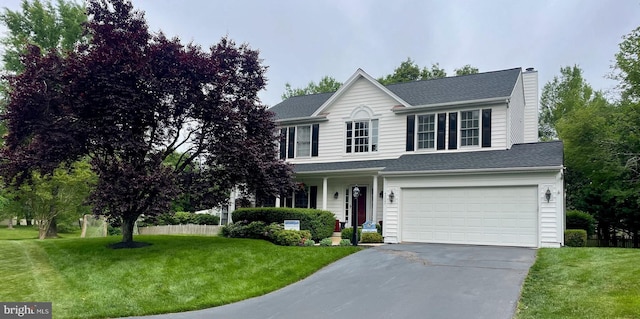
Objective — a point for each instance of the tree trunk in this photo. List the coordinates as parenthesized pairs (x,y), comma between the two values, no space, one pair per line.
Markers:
(635,239)
(10,226)
(127,229)
(52,231)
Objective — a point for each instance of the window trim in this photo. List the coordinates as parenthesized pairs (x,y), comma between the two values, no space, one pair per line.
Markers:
(309,142)
(417,133)
(478,128)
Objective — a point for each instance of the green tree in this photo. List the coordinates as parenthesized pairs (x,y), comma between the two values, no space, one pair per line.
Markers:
(628,67)
(465,70)
(56,197)
(50,27)
(434,73)
(407,71)
(326,84)
(562,95)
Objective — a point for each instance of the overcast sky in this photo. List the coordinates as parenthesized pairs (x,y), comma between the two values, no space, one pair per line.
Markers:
(301,41)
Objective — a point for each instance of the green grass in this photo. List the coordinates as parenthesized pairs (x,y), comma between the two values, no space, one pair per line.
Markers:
(29,232)
(582,283)
(85,279)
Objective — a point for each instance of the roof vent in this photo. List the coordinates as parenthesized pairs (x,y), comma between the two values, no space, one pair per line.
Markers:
(530,69)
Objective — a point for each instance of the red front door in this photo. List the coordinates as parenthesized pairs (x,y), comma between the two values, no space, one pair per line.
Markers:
(362,205)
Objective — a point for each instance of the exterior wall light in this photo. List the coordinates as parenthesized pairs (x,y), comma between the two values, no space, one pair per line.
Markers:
(547,195)
(335,195)
(392,196)
(381,194)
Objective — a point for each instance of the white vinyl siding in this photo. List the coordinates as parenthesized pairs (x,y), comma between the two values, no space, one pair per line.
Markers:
(530,83)
(516,114)
(390,127)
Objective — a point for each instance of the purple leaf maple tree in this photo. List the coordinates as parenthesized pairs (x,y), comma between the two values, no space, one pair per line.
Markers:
(127,100)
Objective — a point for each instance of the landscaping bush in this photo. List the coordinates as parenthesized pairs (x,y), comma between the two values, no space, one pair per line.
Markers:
(348,232)
(183,218)
(580,220)
(371,238)
(206,219)
(326,242)
(287,238)
(319,222)
(345,242)
(309,242)
(242,229)
(575,237)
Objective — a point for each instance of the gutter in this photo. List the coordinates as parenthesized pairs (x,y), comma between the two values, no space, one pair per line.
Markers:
(440,106)
(302,120)
(474,171)
(354,170)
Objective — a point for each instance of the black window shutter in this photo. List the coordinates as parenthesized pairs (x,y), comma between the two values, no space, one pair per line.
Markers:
(292,142)
(411,127)
(486,128)
(453,131)
(349,134)
(313,197)
(283,143)
(442,123)
(315,128)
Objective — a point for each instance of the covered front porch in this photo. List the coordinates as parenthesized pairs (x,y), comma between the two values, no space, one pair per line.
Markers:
(333,191)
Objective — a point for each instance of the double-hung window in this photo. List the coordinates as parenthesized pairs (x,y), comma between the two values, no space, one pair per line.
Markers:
(303,141)
(426,131)
(470,128)
(361,136)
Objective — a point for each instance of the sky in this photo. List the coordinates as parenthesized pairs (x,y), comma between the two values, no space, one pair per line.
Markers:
(302,41)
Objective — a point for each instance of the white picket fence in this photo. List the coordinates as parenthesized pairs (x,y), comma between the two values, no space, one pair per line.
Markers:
(189,229)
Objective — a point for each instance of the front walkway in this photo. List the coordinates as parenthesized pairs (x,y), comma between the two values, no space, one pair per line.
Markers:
(396,281)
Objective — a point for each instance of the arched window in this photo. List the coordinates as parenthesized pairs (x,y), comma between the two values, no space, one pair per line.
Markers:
(361,131)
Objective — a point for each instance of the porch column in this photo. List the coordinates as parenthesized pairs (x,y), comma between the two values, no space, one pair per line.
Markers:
(374,202)
(324,193)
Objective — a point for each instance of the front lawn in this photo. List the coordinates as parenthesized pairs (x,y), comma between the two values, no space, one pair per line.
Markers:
(29,232)
(582,283)
(85,279)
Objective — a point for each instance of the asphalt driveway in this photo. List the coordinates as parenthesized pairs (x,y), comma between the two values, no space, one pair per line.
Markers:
(396,281)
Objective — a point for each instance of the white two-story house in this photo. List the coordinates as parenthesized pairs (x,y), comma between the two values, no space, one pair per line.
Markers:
(450,160)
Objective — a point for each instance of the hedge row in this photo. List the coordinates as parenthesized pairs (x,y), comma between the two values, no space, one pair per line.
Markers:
(273,232)
(319,222)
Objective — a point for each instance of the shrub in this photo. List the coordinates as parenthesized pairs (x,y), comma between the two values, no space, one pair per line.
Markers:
(287,238)
(319,222)
(309,242)
(242,229)
(371,238)
(580,220)
(345,242)
(326,242)
(206,219)
(348,232)
(183,218)
(575,237)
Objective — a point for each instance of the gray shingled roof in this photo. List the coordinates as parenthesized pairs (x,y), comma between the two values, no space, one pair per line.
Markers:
(543,154)
(445,90)
(341,166)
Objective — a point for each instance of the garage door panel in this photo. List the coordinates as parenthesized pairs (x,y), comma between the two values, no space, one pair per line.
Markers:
(491,215)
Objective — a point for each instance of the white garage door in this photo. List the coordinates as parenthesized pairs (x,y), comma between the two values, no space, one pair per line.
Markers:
(505,216)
